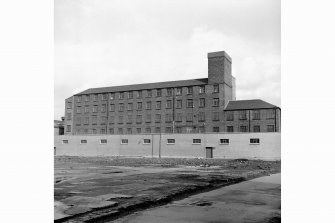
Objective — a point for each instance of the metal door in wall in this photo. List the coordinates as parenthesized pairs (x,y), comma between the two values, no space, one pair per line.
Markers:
(209,152)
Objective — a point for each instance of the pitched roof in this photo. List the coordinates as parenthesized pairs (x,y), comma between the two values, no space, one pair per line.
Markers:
(135,87)
(248,104)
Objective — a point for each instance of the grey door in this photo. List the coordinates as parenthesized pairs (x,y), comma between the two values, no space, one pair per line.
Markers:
(209,152)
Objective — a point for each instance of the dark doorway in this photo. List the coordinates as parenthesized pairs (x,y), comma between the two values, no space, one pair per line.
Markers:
(209,152)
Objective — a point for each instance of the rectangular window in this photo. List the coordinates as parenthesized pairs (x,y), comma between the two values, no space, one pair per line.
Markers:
(94,131)
(201,117)
(121,95)
(148,118)
(169,92)
(86,131)
(147,130)
(138,130)
(224,141)
(201,129)
(69,105)
(112,96)
(111,131)
(189,103)
(242,115)
(170,141)
(87,109)
(179,91)
(103,131)
(157,129)
(179,117)
(189,90)
(149,93)
(216,116)
(202,102)
(111,120)
(129,119)
(196,141)
(86,120)
(78,109)
(230,128)
(168,104)
(270,114)
(103,108)
(139,94)
(202,90)
(216,129)
(103,141)
(68,116)
(256,115)
(178,129)
(130,106)
(121,107)
(139,119)
(104,97)
(216,102)
(230,116)
(112,107)
(95,97)
(215,88)
(243,128)
(94,120)
(78,121)
(158,92)
(146,141)
(124,141)
(148,105)
(139,105)
(158,105)
(168,118)
(270,128)
(257,128)
(95,109)
(129,131)
(254,141)
(120,119)
(120,131)
(87,98)
(130,95)
(158,118)
(189,117)
(68,128)
(65,141)
(168,129)
(179,104)
(78,98)
(83,141)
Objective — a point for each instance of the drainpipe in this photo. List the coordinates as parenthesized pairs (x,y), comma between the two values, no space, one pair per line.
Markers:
(249,120)
(275,119)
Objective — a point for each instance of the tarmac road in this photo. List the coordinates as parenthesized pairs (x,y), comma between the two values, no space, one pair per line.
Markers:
(257,200)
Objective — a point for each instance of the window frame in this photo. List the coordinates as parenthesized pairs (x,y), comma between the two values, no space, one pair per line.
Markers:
(124,141)
(254,143)
(221,142)
(146,143)
(196,143)
(65,141)
(103,143)
(170,143)
(81,141)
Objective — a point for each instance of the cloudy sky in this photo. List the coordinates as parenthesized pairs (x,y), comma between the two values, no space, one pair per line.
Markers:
(116,42)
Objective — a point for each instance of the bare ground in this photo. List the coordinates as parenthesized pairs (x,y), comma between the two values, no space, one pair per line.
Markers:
(100,189)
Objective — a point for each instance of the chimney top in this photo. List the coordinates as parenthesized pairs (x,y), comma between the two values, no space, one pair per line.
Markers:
(219,54)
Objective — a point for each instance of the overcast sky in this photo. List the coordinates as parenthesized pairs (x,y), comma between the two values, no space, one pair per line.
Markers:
(116,42)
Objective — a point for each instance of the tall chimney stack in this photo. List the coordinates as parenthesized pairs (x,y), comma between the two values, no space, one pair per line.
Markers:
(219,68)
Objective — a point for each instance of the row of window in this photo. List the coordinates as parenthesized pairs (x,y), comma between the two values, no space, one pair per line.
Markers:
(139,94)
(256,114)
(169,129)
(168,141)
(129,119)
(148,106)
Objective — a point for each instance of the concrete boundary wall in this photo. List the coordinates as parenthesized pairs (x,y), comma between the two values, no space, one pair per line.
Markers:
(156,145)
